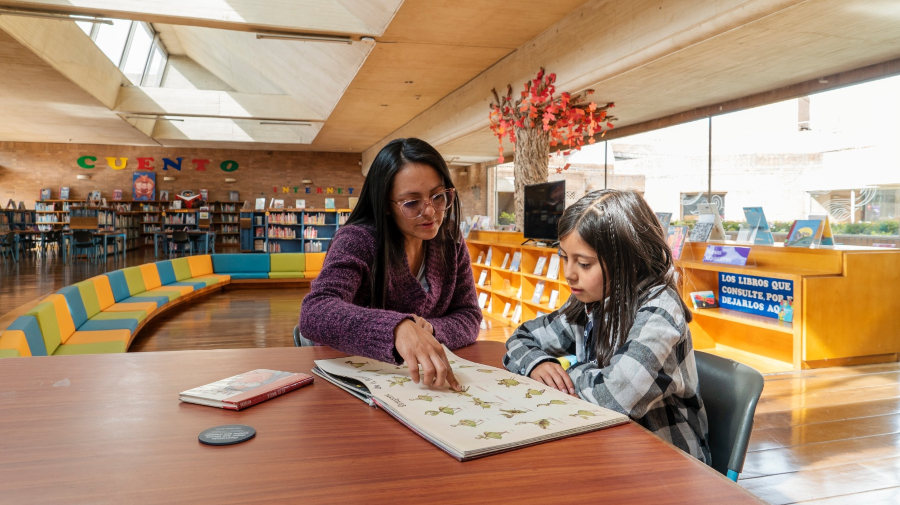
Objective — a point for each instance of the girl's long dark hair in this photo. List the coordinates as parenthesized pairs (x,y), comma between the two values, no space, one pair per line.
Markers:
(372,209)
(634,257)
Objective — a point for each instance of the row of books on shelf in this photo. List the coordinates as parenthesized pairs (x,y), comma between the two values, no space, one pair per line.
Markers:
(811,232)
(51,218)
(230,228)
(181,219)
(314,247)
(149,228)
(229,240)
(314,219)
(279,232)
(229,218)
(283,218)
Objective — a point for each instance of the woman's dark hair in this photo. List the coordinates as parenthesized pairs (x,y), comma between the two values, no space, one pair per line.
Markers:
(372,208)
(634,257)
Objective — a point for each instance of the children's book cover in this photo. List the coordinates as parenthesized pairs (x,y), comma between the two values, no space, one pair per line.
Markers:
(64,193)
(117,194)
(664,219)
(676,239)
(329,203)
(804,233)
(704,300)
(701,232)
(45,194)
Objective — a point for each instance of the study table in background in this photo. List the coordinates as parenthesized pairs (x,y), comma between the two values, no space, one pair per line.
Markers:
(110,429)
(105,236)
(162,237)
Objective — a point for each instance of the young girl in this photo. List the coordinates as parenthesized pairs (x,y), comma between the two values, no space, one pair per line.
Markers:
(397,280)
(624,332)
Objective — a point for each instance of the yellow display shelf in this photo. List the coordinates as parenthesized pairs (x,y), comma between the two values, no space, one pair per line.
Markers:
(846,304)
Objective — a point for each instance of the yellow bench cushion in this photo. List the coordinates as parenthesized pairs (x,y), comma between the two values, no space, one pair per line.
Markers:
(151,276)
(200,265)
(147,307)
(92,337)
(14,340)
(94,348)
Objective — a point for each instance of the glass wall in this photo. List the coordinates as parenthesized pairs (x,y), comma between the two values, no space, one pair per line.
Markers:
(831,153)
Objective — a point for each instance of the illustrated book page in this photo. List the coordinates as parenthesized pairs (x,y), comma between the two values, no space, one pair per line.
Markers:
(496,410)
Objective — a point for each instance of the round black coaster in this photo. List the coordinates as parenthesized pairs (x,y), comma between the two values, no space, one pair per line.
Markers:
(228,434)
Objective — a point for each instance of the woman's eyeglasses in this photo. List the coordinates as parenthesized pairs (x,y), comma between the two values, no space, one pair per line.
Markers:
(440,202)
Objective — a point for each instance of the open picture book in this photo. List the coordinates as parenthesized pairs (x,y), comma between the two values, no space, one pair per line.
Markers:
(496,410)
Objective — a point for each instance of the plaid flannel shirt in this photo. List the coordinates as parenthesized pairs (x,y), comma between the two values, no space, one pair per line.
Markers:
(652,378)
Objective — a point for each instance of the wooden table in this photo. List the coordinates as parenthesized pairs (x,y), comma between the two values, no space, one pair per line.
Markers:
(110,429)
(163,236)
(105,235)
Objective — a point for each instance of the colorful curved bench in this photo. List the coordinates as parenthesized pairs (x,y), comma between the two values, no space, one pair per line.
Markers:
(103,314)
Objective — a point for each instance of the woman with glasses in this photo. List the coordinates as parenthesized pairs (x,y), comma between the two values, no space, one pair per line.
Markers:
(397,281)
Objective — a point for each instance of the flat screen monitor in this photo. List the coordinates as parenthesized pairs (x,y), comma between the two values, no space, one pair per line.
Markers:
(544,206)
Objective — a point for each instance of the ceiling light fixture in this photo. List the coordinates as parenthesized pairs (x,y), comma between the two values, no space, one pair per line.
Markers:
(306,181)
(54,15)
(168,178)
(287,123)
(339,39)
(230,179)
(823,81)
(83,177)
(154,118)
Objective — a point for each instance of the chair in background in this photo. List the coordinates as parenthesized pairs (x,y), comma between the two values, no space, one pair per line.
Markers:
(730,392)
(300,340)
(84,241)
(181,240)
(8,246)
(54,238)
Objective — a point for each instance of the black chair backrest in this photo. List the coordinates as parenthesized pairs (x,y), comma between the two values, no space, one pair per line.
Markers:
(181,237)
(9,239)
(729,391)
(83,237)
(297,341)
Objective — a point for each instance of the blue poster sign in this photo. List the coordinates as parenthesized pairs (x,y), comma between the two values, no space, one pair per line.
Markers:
(755,295)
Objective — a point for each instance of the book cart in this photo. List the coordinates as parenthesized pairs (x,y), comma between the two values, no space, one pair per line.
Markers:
(846,301)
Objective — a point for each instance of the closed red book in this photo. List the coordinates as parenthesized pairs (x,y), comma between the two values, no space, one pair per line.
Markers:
(246,389)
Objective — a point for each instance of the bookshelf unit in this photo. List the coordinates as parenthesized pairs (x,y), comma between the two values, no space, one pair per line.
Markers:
(289,230)
(225,220)
(503,286)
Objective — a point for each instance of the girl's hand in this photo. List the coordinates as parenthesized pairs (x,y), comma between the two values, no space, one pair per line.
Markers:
(417,346)
(552,374)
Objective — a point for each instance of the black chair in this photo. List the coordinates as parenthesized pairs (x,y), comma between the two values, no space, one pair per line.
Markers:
(730,392)
(50,239)
(300,340)
(181,240)
(8,246)
(84,241)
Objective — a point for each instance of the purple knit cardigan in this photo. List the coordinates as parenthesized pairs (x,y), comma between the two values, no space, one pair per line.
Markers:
(336,311)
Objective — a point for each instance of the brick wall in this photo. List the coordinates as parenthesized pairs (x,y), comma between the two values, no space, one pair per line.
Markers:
(472,189)
(26,168)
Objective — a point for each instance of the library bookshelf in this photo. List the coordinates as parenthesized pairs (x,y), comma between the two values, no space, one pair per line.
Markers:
(502,286)
(277,230)
(846,301)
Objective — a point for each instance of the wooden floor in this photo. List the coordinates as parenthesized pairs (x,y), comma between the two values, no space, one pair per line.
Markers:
(824,437)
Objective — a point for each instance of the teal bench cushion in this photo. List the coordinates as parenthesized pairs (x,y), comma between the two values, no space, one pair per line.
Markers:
(32,330)
(240,263)
(166,272)
(75,303)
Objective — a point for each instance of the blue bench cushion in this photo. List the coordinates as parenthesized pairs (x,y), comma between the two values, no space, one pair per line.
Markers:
(240,263)
(119,285)
(249,275)
(144,297)
(129,324)
(166,272)
(75,303)
(32,330)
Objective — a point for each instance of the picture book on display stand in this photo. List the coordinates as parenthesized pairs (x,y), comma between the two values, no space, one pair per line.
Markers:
(496,411)
(804,233)
(710,219)
(678,235)
(756,230)
(664,219)
(827,233)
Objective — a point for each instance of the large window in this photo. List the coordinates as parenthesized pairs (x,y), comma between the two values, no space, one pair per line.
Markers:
(133,46)
(831,153)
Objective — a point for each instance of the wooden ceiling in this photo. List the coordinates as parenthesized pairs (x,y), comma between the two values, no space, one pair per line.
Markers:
(428,74)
